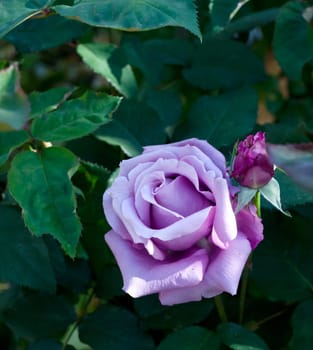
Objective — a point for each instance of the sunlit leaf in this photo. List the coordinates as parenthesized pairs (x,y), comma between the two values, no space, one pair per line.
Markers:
(15,12)
(134,15)
(75,118)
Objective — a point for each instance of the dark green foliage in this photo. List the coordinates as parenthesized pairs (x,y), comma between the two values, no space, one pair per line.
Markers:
(85,84)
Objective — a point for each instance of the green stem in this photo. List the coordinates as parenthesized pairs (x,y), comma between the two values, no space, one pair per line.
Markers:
(220,309)
(257,203)
(243,290)
(245,275)
(81,314)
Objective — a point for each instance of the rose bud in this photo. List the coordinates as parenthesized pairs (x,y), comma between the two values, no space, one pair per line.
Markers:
(174,229)
(252,166)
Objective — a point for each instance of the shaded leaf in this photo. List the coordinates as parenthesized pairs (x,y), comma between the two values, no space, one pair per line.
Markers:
(40,183)
(134,15)
(291,194)
(14,106)
(110,62)
(157,316)
(129,128)
(24,258)
(301,321)
(15,12)
(239,338)
(192,338)
(221,11)
(9,141)
(75,118)
(296,160)
(280,264)
(54,31)
(48,344)
(221,119)
(113,328)
(293,39)
(50,315)
(223,64)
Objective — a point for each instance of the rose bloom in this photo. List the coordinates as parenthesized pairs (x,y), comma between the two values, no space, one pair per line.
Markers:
(252,166)
(174,230)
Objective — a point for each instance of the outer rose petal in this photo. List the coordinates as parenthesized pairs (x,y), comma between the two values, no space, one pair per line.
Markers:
(143,275)
(225,227)
(223,274)
(251,225)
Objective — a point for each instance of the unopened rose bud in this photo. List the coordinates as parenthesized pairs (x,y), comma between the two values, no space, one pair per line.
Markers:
(252,166)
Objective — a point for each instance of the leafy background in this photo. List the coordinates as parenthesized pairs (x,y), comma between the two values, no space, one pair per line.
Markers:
(85,84)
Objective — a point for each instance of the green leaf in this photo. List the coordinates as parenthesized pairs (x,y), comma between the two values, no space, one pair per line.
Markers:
(296,161)
(47,101)
(14,107)
(150,56)
(116,134)
(271,192)
(221,119)
(40,183)
(134,15)
(281,271)
(239,338)
(48,344)
(93,180)
(192,338)
(75,118)
(245,197)
(156,316)
(50,315)
(24,258)
(113,328)
(167,104)
(293,39)
(221,11)
(291,194)
(301,321)
(223,64)
(9,141)
(54,31)
(110,62)
(15,12)
(74,275)
(129,128)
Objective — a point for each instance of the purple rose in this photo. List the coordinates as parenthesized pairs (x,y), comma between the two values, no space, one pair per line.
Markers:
(174,231)
(252,166)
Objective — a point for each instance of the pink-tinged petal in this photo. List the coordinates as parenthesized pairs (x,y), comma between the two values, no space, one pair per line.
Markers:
(142,275)
(225,226)
(225,269)
(250,225)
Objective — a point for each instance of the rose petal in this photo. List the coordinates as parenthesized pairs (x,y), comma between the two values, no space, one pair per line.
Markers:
(181,228)
(222,275)
(142,275)
(251,225)
(224,227)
